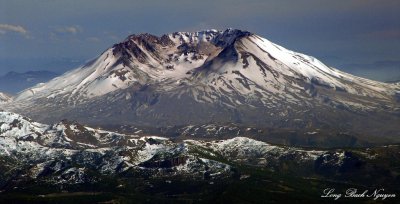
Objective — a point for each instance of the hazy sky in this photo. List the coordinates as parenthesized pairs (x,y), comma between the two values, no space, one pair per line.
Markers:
(358,36)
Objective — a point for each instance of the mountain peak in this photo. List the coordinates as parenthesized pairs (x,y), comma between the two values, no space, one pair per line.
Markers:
(229,36)
(145,47)
(219,37)
(148,39)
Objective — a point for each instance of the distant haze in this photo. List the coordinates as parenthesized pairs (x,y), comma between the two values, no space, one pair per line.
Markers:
(358,36)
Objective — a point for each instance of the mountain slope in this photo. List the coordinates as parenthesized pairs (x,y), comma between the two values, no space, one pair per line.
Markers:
(4,98)
(215,77)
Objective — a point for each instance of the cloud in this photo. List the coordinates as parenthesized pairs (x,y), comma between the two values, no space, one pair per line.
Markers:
(63,32)
(93,39)
(383,70)
(113,36)
(5,28)
(376,64)
(69,29)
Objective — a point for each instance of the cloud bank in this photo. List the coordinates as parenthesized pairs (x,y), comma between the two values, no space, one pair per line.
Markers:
(6,28)
(69,29)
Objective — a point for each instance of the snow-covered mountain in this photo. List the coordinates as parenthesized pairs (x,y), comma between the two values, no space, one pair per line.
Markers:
(214,77)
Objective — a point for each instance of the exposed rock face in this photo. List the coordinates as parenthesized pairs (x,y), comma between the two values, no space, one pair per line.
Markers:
(166,163)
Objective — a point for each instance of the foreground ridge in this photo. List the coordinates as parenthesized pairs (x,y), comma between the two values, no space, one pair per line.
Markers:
(68,157)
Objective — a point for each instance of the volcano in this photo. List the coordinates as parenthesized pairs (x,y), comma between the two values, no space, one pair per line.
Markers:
(230,77)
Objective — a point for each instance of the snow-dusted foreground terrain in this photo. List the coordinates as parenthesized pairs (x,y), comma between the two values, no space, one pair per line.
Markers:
(69,153)
(43,147)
